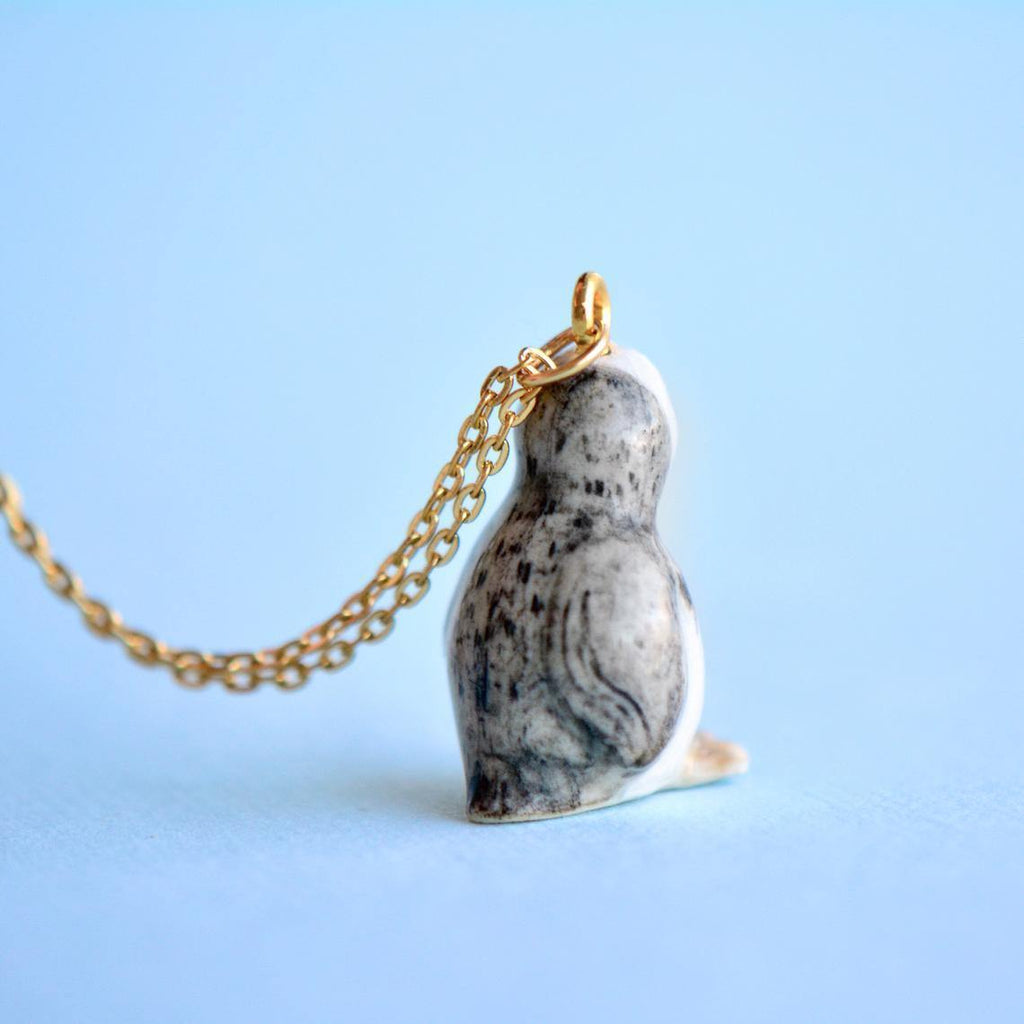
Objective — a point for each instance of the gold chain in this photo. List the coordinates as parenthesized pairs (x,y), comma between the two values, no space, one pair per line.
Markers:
(404,574)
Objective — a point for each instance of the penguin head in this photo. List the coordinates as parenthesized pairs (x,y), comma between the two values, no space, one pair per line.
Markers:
(605,436)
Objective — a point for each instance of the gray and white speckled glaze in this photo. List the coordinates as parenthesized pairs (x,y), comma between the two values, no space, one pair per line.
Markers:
(575,660)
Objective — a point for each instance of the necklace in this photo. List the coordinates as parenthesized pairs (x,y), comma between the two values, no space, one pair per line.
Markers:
(575,661)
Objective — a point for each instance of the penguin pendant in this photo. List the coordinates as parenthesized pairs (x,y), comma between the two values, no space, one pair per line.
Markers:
(575,661)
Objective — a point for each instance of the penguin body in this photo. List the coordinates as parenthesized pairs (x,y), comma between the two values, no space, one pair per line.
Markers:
(575,659)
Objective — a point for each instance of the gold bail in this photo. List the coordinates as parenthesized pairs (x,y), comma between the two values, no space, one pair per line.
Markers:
(590,334)
(591,308)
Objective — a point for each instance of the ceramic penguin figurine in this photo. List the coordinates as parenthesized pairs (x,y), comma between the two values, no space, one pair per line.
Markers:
(576,664)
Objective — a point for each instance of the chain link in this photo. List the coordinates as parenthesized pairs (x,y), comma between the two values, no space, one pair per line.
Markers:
(404,576)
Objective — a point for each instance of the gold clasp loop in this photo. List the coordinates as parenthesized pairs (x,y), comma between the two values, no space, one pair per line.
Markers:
(589,334)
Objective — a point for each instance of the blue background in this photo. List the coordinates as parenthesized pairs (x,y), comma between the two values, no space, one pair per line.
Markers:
(254,264)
